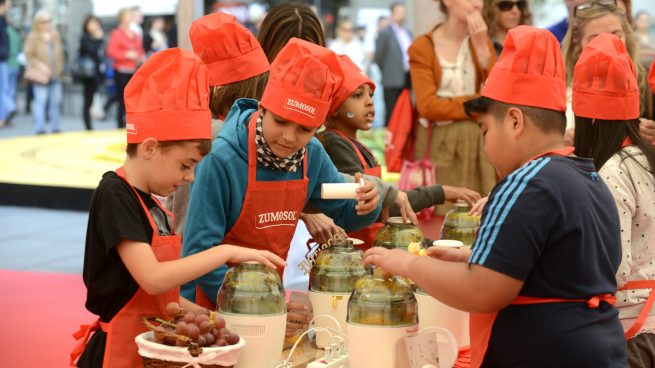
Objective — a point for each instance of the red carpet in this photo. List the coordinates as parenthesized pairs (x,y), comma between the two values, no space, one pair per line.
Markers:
(40,312)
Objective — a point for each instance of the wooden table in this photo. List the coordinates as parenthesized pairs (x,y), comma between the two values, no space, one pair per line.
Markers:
(305,353)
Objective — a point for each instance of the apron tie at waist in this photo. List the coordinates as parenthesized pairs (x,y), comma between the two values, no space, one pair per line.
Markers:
(592,302)
(645,310)
(82,338)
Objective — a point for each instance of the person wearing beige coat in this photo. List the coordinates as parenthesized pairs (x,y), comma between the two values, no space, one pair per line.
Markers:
(43,50)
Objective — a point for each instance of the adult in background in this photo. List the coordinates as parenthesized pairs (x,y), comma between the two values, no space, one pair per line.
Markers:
(13,69)
(347,43)
(644,38)
(4,55)
(503,15)
(91,47)
(448,66)
(155,39)
(43,49)
(560,28)
(125,48)
(391,57)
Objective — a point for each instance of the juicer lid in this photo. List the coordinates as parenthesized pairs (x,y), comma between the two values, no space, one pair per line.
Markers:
(395,220)
(448,243)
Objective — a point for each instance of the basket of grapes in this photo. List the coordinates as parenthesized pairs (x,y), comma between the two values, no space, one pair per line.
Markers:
(188,339)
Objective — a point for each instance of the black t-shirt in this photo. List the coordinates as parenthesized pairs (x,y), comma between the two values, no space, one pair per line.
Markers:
(115,215)
(553,224)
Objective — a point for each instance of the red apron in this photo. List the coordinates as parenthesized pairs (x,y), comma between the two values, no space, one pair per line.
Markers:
(120,349)
(269,215)
(481,324)
(367,234)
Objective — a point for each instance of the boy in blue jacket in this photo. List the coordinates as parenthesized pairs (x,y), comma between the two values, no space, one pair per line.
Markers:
(266,165)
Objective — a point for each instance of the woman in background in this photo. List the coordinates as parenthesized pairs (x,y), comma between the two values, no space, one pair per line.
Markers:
(155,39)
(91,47)
(125,48)
(448,66)
(503,15)
(43,50)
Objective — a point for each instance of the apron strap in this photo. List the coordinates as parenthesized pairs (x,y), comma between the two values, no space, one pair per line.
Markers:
(82,337)
(592,302)
(362,160)
(121,173)
(645,310)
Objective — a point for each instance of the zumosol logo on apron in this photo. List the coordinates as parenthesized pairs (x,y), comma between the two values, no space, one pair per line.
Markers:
(279,218)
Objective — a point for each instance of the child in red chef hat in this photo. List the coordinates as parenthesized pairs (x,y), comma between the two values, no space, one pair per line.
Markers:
(352,110)
(132,265)
(539,281)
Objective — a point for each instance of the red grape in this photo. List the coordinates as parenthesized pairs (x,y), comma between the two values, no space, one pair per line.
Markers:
(232,338)
(219,323)
(203,326)
(172,309)
(181,328)
(190,317)
(193,331)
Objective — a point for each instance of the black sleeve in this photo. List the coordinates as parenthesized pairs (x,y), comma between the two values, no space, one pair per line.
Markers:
(421,198)
(343,154)
(121,215)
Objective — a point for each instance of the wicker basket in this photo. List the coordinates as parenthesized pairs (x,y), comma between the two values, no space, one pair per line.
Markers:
(156,355)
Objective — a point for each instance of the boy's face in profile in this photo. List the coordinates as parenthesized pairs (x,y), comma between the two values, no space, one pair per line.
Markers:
(284,137)
(171,167)
(499,142)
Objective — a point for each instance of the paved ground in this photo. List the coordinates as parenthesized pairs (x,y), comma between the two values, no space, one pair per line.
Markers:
(35,239)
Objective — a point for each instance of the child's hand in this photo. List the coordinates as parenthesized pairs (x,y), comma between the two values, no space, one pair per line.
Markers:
(298,318)
(406,210)
(453,194)
(647,130)
(320,227)
(394,261)
(368,196)
(449,254)
(478,206)
(242,254)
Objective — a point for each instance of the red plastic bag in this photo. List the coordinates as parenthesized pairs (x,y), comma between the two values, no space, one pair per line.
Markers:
(398,138)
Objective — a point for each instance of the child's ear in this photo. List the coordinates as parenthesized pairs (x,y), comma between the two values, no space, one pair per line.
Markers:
(516,120)
(148,147)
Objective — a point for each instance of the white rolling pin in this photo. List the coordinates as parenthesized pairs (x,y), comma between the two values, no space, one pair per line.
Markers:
(340,190)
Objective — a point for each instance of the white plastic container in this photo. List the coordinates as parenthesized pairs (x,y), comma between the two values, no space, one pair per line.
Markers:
(432,312)
(376,346)
(330,304)
(264,336)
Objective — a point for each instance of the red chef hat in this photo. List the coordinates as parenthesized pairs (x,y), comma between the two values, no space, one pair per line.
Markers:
(230,51)
(529,71)
(301,83)
(651,77)
(604,81)
(168,98)
(353,77)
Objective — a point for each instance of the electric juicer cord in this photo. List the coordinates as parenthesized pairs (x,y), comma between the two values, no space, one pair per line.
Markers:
(336,336)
